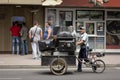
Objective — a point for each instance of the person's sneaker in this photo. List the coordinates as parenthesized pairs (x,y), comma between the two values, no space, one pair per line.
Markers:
(35,58)
(94,67)
(79,70)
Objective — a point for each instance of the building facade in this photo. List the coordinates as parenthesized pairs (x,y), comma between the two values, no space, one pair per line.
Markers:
(102,23)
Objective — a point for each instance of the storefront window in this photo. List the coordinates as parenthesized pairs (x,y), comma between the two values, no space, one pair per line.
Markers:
(113,14)
(65,18)
(99,43)
(100,28)
(51,15)
(89,15)
(113,34)
(96,42)
(84,15)
(96,15)
(93,21)
(78,25)
(92,42)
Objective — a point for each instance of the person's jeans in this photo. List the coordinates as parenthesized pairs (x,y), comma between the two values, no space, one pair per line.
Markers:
(24,47)
(83,54)
(15,44)
(35,49)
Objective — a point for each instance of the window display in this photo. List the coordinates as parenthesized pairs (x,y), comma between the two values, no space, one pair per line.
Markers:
(113,34)
(90,26)
(100,28)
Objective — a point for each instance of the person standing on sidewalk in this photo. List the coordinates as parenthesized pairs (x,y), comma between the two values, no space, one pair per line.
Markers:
(15,32)
(48,31)
(24,34)
(36,33)
(83,53)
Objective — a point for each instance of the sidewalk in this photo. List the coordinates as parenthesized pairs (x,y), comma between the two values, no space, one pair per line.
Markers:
(26,61)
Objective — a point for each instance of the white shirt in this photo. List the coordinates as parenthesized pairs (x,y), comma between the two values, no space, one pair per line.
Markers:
(37,33)
(84,37)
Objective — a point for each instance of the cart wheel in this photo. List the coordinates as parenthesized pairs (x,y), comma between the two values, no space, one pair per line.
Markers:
(98,66)
(58,66)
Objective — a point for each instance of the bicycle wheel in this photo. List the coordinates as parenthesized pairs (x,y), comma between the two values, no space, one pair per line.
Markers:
(58,66)
(98,66)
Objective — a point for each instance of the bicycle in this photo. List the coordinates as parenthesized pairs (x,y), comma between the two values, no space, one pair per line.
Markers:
(97,65)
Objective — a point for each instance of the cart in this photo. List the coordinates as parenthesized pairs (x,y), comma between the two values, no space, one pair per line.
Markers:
(61,53)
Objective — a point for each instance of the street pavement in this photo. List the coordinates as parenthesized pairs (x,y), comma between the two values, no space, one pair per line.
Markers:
(45,74)
(26,61)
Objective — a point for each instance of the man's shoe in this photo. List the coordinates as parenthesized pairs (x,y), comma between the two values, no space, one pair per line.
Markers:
(79,70)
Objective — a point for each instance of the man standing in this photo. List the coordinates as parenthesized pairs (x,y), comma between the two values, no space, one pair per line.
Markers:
(15,32)
(83,53)
(24,34)
(35,33)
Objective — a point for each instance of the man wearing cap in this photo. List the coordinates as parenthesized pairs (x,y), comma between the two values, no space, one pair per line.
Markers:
(83,53)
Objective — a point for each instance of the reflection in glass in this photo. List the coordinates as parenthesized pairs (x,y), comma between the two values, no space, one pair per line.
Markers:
(92,42)
(82,15)
(99,43)
(78,25)
(51,16)
(97,15)
(113,14)
(89,15)
(113,34)
(65,18)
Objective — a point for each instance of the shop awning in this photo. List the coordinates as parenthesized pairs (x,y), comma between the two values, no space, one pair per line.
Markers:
(85,3)
(65,3)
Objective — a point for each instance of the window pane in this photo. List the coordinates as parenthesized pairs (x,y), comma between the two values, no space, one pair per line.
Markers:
(90,15)
(51,16)
(90,28)
(65,19)
(91,42)
(113,34)
(78,25)
(97,15)
(100,43)
(82,15)
(113,14)
(100,28)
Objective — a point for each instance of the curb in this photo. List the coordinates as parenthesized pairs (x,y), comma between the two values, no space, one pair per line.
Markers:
(44,67)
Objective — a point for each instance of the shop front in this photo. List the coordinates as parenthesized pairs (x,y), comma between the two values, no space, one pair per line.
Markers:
(102,25)
(21,13)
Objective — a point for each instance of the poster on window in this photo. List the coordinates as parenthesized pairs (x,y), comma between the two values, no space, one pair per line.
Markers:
(90,28)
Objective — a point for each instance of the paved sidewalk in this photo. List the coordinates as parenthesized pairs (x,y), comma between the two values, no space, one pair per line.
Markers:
(26,61)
